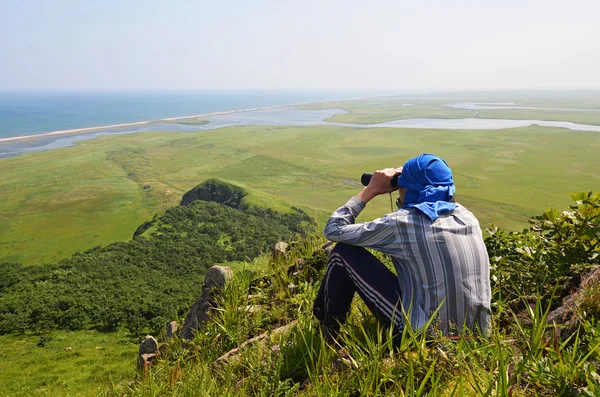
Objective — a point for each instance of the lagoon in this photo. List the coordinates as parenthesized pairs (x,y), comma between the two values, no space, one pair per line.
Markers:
(275,116)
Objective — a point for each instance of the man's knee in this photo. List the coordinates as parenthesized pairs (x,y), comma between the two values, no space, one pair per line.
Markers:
(347,250)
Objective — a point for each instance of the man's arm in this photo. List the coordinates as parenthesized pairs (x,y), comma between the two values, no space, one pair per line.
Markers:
(378,234)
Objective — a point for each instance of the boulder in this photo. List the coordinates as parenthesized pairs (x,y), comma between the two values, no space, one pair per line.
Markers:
(171,329)
(280,249)
(218,276)
(147,352)
(215,280)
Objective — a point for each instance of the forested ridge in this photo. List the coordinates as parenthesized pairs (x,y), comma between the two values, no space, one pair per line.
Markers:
(151,279)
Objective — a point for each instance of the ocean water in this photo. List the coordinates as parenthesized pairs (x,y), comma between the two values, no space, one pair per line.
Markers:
(27,113)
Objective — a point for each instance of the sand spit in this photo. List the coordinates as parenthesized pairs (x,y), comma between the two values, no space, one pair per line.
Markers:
(137,123)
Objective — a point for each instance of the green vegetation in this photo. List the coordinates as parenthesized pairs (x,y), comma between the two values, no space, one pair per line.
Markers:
(378,110)
(145,283)
(523,355)
(62,201)
(58,205)
(550,259)
(94,361)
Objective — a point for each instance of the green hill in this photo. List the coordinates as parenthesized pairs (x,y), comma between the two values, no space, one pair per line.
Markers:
(154,278)
(523,355)
(151,279)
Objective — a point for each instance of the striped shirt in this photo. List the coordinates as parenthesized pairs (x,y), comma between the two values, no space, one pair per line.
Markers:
(442,264)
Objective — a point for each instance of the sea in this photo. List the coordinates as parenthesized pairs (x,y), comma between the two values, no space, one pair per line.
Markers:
(36,112)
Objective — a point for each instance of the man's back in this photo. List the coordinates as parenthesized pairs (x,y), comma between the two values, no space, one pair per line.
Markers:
(436,246)
(441,263)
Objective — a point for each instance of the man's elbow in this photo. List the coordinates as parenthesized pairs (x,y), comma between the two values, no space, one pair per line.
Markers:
(332,234)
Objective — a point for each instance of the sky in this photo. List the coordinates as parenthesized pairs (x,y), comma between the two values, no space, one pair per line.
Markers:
(305,44)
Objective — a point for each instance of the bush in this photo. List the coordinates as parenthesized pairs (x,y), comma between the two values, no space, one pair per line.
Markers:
(549,258)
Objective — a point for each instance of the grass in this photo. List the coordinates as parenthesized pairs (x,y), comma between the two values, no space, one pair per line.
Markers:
(380,110)
(96,360)
(520,360)
(62,201)
(57,202)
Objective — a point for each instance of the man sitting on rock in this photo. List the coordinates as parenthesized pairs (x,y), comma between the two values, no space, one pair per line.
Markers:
(436,247)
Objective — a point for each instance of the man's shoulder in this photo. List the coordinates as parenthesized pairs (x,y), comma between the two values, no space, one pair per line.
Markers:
(414,216)
(462,209)
(464,214)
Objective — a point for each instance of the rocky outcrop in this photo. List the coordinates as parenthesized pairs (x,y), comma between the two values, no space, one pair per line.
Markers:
(566,314)
(216,191)
(215,280)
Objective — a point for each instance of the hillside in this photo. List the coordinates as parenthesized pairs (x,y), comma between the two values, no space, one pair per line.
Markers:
(140,285)
(532,349)
(152,279)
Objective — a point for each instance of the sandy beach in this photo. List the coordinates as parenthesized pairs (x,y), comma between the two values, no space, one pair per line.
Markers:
(169,119)
(133,124)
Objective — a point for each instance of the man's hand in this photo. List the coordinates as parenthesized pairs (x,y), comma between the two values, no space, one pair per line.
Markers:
(380,183)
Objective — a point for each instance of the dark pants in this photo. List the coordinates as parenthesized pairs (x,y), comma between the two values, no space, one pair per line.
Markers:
(354,269)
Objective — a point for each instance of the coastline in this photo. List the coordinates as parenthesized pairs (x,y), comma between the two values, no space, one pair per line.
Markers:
(136,123)
(77,131)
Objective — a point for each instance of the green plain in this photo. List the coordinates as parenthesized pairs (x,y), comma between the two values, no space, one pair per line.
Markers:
(62,201)
(58,202)
(71,364)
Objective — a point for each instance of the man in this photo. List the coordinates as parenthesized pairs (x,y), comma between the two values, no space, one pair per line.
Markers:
(436,247)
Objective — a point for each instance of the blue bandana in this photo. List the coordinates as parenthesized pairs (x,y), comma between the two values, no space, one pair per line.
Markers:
(429,185)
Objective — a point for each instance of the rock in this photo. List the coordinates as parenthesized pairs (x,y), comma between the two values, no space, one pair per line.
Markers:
(218,276)
(251,308)
(298,265)
(261,339)
(148,350)
(145,360)
(148,345)
(171,329)
(566,313)
(280,249)
(292,287)
(216,279)
(328,247)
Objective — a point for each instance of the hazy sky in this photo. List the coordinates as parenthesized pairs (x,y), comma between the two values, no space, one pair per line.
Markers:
(321,44)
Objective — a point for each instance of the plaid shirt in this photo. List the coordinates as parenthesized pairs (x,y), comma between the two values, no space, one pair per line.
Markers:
(443,263)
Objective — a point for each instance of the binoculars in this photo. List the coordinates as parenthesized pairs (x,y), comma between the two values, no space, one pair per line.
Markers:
(366,178)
